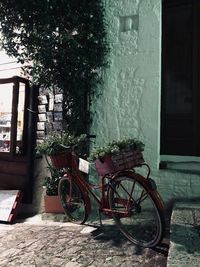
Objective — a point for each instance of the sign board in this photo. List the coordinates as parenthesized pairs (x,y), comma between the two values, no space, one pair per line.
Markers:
(9,202)
(84,165)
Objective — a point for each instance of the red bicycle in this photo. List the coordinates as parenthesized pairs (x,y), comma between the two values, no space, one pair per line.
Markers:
(126,196)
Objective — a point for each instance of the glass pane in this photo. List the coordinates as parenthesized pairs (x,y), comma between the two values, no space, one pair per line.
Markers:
(178,123)
(178,62)
(5,116)
(20,118)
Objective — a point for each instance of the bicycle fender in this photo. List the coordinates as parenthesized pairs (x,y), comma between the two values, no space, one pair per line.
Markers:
(151,187)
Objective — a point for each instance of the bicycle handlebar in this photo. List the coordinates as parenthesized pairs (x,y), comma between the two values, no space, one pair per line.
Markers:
(67,147)
(91,136)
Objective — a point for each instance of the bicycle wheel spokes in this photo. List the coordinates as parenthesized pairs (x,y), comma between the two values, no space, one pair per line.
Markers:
(124,195)
(72,201)
(135,212)
(142,196)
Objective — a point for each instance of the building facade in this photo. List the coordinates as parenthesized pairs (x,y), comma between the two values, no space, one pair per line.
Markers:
(131,101)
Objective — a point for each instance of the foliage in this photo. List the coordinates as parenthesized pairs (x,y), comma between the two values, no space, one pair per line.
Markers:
(51,182)
(52,144)
(62,44)
(115,147)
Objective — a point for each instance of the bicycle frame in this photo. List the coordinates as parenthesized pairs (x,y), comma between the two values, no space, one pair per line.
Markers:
(102,201)
(86,187)
(125,196)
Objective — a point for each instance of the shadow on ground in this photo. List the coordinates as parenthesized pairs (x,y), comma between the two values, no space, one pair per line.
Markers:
(109,233)
(186,237)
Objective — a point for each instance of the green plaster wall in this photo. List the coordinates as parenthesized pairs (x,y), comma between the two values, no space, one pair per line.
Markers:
(129,103)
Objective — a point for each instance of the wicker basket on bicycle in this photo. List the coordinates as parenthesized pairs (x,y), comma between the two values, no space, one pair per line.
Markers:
(117,162)
(61,160)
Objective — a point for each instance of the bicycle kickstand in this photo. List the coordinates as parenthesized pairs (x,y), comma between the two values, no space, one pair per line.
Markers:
(100,220)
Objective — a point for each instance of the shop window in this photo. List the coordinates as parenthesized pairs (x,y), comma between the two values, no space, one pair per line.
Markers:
(6,98)
(12,116)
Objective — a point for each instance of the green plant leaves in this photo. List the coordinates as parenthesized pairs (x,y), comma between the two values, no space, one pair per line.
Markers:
(115,147)
(51,182)
(52,145)
(65,41)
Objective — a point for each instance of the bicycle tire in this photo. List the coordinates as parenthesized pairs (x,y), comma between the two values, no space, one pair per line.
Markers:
(72,201)
(144,225)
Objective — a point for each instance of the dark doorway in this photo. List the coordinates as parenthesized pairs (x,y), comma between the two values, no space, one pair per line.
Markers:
(180,125)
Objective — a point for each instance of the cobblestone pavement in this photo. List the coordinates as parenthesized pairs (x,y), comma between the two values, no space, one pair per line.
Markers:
(185,232)
(44,243)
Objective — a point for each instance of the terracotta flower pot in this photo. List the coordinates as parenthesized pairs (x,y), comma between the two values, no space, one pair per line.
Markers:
(52,204)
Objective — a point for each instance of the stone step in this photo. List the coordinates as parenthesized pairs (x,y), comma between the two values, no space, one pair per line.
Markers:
(184,248)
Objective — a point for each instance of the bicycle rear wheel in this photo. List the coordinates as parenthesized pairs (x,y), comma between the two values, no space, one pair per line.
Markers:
(136,211)
(72,200)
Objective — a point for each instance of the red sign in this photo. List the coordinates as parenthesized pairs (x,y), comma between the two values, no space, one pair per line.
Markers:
(9,203)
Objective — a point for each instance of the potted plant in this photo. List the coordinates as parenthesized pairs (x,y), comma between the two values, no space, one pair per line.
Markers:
(117,155)
(51,199)
(55,145)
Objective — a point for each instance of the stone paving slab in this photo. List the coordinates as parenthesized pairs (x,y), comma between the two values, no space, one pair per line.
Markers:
(37,243)
(185,236)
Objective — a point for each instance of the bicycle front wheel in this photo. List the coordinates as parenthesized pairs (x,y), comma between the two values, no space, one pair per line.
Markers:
(135,211)
(72,200)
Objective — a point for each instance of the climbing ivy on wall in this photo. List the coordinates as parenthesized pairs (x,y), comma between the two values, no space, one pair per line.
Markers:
(62,43)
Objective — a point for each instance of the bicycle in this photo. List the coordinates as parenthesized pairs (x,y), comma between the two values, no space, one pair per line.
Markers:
(131,199)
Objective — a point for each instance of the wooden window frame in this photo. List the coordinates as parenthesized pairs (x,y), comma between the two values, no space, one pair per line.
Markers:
(15,98)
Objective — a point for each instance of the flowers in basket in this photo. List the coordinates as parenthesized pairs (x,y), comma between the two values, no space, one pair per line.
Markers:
(57,147)
(55,143)
(117,155)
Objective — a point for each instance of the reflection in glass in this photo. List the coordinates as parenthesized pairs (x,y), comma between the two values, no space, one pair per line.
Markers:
(5,116)
(20,117)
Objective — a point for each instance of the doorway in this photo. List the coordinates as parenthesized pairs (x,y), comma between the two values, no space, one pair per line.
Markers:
(180,124)
(17,135)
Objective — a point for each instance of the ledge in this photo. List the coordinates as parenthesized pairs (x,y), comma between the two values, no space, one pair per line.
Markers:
(55,217)
(184,164)
(184,239)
